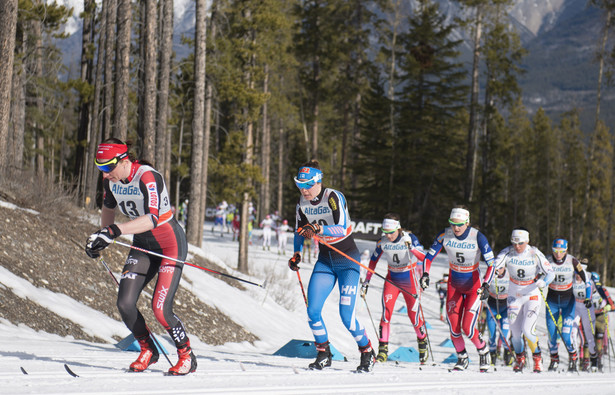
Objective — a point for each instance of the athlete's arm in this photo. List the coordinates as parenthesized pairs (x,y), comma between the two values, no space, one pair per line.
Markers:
(434,250)
(300,220)
(487,253)
(373,261)
(337,204)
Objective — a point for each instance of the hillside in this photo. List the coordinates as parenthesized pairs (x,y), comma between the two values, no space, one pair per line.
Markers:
(42,239)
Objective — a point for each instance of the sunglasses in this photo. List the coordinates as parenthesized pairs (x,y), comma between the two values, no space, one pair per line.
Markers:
(559,250)
(306,184)
(388,232)
(108,166)
(517,243)
(450,221)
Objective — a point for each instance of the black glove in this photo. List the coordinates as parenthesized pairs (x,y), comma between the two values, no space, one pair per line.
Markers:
(588,303)
(98,241)
(308,231)
(483,291)
(424,281)
(293,263)
(364,288)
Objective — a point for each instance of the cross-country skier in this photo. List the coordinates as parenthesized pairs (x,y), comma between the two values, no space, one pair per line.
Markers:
(464,245)
(323,211)
(140,193)
(283,236)
(602,305)
(561,302)
(441,287)
(267,225)
(401,250)
(529,271)
(584,309)
(498,294)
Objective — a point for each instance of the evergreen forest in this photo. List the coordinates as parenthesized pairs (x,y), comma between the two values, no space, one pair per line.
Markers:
(381,97)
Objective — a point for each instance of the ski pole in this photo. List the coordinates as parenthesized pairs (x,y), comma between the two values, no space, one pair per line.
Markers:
(426,332)
(302,289)
(369,313)
(151,334)
(321,240)
(608,338)
(497,325)
(185,263)
(554,322)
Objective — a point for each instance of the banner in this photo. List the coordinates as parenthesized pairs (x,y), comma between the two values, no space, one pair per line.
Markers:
(367,229)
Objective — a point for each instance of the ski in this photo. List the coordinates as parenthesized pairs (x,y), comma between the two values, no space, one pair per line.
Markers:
(23,370)
(70,371)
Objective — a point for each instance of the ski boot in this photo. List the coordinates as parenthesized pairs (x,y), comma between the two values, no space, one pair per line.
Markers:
(494,357)
(584,363)
(537,357)
(323,358)
(554,363)
(186,363)
(508,358)
(149,355)
(572,362)
(462,361)
(423,350)
(519,362)
(594,362)
(484,359)
(383,352)
(368,358)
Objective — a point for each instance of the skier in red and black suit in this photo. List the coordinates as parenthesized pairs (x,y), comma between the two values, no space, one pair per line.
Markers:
(140,193)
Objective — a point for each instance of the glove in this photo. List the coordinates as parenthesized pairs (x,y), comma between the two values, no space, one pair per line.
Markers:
(483,291)
(541,283)
(588,303)
(424,281)
(98,241)
(293,263)
(308,231)
(607,308)
(364,288)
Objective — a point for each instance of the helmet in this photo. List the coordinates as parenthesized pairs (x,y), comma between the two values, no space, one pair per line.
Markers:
(560,244)
(595,277)
(308,177)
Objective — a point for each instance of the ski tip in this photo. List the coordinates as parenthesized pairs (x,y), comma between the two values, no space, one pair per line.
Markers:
(69,371)
(23,370)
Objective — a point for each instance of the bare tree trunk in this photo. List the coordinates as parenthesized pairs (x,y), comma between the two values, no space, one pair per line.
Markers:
(391,95)
(162,130)
(108,71)
(85,105)
(122,70)
(37,72)
(472,154)
(195,223)
(96,120)
(8,26)
(265,200)
(281,167)
(18,104)
(150,67)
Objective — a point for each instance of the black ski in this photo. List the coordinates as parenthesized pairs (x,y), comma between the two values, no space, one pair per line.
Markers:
(70,371)
(23,370)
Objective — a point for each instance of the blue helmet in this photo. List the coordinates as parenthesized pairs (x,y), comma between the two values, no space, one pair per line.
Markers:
(595,277)
(307,177)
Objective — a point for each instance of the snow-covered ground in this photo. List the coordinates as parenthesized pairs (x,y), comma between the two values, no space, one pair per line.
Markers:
(276,314)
